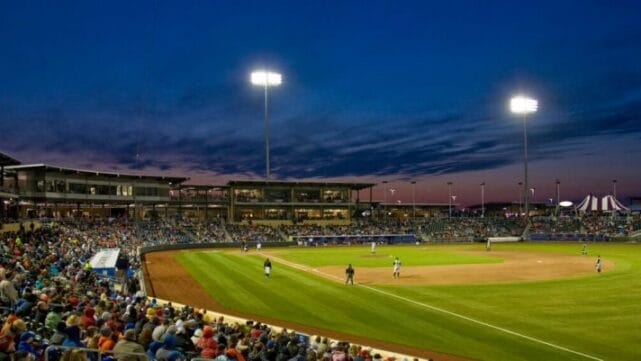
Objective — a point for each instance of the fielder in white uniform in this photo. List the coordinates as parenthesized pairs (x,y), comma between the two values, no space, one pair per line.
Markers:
(397,267)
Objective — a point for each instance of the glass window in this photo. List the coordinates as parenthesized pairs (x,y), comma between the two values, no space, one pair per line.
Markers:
(248,195)
(277,195)
(335,214)
(307,195)
(334,195)
(77,188)
(275,213)
(61,186)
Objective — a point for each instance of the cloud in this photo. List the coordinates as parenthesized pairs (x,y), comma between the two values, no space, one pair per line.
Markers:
(199,134)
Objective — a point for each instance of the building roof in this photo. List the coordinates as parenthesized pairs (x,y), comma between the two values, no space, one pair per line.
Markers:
(6,160)
(174,180)
(252,183)
(202,186)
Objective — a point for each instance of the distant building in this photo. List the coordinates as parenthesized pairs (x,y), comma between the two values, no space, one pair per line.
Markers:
(40,190)
(7,194)
(49,191)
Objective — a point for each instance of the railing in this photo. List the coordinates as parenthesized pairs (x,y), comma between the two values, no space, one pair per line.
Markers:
(384,238)
(91,351)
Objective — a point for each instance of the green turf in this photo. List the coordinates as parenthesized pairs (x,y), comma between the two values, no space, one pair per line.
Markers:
(599,315)
(361,256)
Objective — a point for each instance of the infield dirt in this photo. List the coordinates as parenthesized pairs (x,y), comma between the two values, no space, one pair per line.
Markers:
(517,266)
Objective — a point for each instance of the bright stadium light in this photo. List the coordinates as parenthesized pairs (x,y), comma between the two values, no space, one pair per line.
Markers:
(523,105)
(266,79)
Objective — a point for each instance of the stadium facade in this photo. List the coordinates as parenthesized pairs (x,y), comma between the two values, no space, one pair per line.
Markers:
(41,190)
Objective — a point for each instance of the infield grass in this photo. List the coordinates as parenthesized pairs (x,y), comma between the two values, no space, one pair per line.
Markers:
(598,315)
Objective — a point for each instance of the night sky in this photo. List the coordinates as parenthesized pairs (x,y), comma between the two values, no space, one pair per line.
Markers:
(371,91)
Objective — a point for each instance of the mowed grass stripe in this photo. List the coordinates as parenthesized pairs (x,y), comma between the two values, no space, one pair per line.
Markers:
(308,299)
(360,256)
(242,290)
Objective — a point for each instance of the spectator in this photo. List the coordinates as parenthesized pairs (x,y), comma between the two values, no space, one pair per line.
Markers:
(129,345)
(73,337)
(74,355)
(105,342)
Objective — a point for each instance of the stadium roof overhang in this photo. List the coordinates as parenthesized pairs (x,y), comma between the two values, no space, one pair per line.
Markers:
(250,183)
(5,195)
(6,160)
(202,187)
(65,170)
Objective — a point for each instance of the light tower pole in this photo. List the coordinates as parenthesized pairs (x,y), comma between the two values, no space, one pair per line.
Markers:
(558,196)
(483,200)
(413,201)
(520,184)
(385,200)
(523,105)
(266,79)
(449,191)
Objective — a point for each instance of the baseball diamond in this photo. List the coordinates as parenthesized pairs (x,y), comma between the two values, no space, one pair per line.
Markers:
(484,303)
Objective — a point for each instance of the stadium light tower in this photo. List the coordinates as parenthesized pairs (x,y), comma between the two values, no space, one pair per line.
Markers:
(520,184)
(266,79)
(614,188)
(523,106)
(483,200)
(449,191)
(413,201)
(558,196)
(385,200)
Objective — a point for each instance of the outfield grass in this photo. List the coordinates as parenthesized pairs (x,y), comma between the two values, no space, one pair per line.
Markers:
(362,257)
(598,315)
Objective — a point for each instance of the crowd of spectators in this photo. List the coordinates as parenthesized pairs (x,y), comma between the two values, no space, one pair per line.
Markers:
(354,229)
(468,229)
(256,233)
(587,227)
(209,231)
(160,232)
(437,229)
(54,304)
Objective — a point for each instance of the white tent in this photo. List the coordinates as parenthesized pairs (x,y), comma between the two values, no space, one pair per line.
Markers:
(608,203)
(611,204)
(589,204)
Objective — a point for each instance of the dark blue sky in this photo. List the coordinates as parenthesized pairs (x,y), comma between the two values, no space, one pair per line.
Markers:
(372,91)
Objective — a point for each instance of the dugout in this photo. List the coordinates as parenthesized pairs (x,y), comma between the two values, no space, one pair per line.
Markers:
(104,262)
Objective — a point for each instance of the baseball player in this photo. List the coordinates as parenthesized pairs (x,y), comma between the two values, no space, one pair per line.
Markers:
(397,267)
(349,273)
(268,267)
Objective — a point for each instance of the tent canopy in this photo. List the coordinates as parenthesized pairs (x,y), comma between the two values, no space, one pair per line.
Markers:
(592,203)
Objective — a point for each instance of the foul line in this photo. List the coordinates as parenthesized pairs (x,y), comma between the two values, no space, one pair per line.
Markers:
(438,309)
